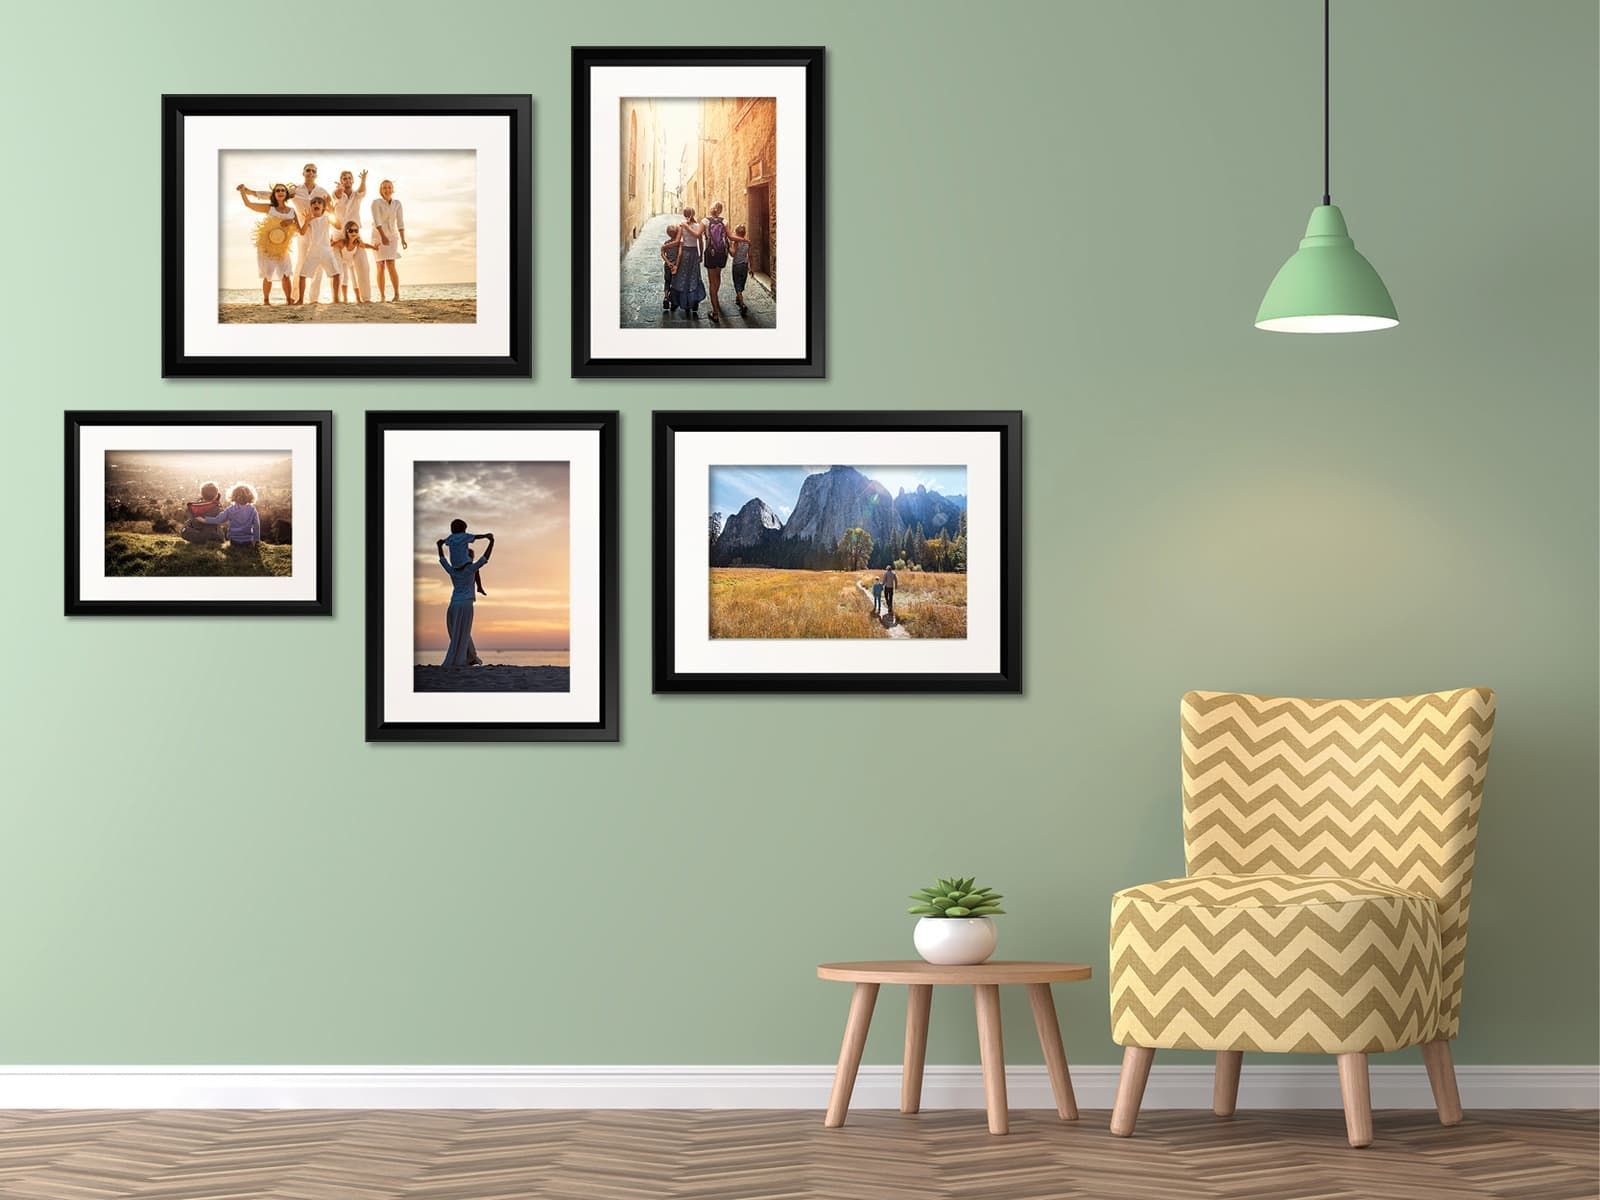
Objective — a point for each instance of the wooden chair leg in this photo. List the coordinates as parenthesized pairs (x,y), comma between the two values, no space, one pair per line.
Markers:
(1225,1086)
(855,1040)
(919,999)
(1442,1078)
(1357,1092)
(1055,1054)
(992,1053)
(1136,1062)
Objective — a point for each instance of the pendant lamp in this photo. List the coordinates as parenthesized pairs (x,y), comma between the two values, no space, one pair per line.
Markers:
(1326,286)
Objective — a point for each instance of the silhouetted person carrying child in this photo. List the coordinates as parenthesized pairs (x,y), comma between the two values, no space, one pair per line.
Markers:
(458,541)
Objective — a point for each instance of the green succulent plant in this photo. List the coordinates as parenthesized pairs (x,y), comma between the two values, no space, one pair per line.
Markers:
(956,898)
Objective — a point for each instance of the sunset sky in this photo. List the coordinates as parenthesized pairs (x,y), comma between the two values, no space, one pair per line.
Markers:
(436,188)
(525,505)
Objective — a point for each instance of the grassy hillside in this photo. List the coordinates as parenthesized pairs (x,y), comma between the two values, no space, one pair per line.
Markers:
(771,602)
(164,554)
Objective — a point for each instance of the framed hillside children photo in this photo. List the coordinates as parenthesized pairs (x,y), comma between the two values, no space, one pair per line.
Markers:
(697,211)
(838,552)
(199,513)
(492,576)
(346,235)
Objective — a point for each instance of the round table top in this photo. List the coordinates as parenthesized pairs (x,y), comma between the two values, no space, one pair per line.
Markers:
(914,970)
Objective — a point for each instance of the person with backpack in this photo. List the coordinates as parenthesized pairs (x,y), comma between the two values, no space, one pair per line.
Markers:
(718,240)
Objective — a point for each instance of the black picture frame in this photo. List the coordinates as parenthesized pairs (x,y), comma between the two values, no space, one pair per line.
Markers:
(606,727)
(813,364)
(518,363)
(322,606)
(666,678)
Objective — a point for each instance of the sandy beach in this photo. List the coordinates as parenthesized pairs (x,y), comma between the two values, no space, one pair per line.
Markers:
(392,312)
(492,678)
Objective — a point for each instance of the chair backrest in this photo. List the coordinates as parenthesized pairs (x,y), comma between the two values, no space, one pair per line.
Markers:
(1384,790)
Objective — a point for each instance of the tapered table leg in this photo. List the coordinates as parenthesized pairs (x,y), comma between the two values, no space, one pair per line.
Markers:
(1055,1054)
(919,999)
(855,1040)
(992,1052)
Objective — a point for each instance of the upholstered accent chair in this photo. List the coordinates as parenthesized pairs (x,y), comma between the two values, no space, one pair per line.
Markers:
(1329,848)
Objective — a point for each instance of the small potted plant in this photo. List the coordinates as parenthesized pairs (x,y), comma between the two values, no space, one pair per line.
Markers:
(955,929)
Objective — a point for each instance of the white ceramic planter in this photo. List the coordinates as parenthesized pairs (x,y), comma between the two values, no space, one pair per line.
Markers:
(955,941)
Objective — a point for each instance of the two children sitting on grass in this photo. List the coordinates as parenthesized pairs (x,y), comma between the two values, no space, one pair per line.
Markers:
(209,523)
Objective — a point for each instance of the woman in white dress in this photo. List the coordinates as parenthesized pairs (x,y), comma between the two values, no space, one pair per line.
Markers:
(319,253)
(389,223)
(353,257)
(274,235)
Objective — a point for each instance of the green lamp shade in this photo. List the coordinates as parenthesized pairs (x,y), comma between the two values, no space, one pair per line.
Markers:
(1326,286)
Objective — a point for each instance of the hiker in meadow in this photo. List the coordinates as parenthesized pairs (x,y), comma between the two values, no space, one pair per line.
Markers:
(877,597)
(889,582)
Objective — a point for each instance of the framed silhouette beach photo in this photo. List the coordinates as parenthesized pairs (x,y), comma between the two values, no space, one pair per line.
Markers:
(837,551)
(491,576)
(346,235)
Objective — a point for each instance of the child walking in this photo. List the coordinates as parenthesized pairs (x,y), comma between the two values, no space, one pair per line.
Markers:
(741,266)
(671,251)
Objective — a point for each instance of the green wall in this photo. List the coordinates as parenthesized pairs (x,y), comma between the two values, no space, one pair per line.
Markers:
(1068,208)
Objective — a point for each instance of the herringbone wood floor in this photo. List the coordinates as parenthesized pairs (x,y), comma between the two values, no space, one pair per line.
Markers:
(748,1155)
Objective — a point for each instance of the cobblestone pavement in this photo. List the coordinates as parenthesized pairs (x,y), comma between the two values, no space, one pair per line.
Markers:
(642,288)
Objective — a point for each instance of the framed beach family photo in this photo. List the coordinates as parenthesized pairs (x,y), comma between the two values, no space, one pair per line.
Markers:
(346,235)
(492,576)
(683,161)
(838,552)
(199,513)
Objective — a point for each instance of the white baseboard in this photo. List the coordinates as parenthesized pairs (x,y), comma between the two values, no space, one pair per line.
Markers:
(1263,1085)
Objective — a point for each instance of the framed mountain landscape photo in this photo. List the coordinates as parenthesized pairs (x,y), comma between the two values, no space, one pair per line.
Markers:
(346,235)
(697,211)
(199,513)
(838,551)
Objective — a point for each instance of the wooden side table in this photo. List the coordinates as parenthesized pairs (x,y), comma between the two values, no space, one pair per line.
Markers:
(985,978)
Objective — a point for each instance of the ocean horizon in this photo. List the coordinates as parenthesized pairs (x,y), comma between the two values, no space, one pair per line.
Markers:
(506,658)
(409,291)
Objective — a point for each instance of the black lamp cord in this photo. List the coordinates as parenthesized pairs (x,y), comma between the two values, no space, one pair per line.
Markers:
(1326,198)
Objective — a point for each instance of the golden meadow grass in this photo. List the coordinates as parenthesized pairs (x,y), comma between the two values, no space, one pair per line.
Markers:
(764,602)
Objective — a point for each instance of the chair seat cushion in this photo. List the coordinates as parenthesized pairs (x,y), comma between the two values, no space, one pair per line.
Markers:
(1309,963)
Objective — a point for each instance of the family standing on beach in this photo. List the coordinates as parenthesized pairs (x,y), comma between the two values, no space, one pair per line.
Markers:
(712,243)
(329,228)
(455,556)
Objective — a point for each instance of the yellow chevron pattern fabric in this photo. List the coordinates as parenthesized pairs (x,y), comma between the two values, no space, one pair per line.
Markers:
(1333,835)
(1312,963)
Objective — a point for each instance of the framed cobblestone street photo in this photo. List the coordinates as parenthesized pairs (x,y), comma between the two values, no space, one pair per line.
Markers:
(687,163)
